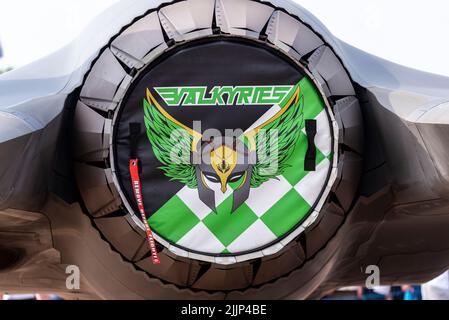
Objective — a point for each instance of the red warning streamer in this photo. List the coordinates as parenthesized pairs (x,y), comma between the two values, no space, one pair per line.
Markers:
(134,170)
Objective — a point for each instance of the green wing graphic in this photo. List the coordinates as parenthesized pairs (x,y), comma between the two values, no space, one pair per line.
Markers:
(275,140)
(172,142)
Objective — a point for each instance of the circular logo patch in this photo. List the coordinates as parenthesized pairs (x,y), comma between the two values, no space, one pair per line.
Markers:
(234,142)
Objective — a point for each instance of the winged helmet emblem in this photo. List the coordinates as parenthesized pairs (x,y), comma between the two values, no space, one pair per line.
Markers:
(246,161)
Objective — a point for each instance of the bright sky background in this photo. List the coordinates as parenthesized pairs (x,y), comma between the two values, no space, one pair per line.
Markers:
(409,32)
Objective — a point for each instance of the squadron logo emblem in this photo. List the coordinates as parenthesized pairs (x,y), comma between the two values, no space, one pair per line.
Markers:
(237,160)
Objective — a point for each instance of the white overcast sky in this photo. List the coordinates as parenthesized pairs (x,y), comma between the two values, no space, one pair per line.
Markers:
(409,32)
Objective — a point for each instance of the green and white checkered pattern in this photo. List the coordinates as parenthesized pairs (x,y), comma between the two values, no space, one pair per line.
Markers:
(272,210)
